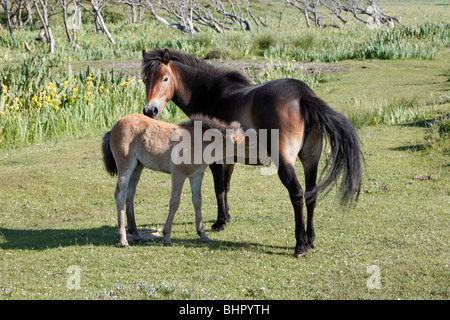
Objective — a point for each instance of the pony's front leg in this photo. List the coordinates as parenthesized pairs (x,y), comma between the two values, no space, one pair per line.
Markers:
(220,190)
(131,191)
(120,196)
(196,189)
(177,186)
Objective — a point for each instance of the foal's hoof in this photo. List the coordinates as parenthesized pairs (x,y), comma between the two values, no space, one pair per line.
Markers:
(123,245)
(167,244)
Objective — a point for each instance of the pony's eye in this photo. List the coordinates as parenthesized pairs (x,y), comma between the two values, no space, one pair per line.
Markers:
(165,79)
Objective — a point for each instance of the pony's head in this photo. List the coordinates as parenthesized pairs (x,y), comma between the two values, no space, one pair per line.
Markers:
(159,81)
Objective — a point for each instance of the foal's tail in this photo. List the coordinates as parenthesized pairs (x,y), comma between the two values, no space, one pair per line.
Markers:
(108,158)
(345,158)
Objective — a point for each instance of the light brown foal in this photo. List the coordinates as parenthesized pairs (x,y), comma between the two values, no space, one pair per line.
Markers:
(137,141)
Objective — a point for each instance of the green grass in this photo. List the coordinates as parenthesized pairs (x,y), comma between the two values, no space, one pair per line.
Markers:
(58,211)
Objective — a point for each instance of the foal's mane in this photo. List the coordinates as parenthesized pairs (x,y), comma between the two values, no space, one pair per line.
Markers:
(210,123)
(154,57)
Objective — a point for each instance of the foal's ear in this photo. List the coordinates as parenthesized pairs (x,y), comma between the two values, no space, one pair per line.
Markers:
(166,56)
(143,53)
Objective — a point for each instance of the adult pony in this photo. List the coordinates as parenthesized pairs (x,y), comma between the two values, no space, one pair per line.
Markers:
(137,141)
(287,105)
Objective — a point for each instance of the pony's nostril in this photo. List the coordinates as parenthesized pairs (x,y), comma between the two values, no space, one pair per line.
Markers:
(150,112)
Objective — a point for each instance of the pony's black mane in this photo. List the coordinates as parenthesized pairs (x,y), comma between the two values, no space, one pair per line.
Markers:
(210,123)
(152,59)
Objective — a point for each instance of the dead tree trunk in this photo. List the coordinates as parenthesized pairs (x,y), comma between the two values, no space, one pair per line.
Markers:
(44,19)
(8,19)
(97,7)
(70,38)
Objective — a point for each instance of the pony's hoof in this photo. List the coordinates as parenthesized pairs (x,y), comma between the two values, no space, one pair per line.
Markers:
(206,240)
(301,253)
(123,245)
(216,227)
(138,240)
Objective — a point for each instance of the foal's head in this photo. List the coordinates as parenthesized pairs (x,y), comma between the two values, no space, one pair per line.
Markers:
(159,82)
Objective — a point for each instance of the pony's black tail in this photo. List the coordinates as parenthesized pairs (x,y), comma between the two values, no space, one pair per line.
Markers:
(345,158)
(108,158)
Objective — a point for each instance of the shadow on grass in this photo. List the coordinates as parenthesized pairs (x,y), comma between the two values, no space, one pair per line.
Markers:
(54,238)
(425,123)
(21,239)
(413,148)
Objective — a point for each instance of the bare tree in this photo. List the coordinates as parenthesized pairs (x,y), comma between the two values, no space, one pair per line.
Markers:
(71,37)
(97,7)
(8,19)
(134,6)
(335,13)
(189,15)
(44,15)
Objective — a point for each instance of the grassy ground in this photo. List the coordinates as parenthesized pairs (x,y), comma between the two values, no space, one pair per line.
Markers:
(58,212)
(58,221)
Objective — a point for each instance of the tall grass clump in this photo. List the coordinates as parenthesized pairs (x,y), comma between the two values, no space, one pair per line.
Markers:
(280,70)
(437,135)
(362,112)
(37,104)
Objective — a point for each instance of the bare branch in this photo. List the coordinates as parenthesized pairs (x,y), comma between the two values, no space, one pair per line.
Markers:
(329,13)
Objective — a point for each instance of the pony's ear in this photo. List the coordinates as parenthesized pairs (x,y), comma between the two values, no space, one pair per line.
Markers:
(166,56)
(143,53)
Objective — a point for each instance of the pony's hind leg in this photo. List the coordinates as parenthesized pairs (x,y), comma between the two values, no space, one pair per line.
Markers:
(131,191)
(310,156)
(196,189)
(286,173)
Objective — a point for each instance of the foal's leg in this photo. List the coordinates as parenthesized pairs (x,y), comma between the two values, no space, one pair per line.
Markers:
(120,196)
(131,221)
(196,189)
(287,175)
(177,186)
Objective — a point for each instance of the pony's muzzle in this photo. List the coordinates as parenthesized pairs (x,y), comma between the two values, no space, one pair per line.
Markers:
(152,111)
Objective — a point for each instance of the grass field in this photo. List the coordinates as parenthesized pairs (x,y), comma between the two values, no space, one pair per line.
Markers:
(58,211)
(58,221)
